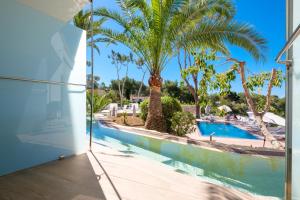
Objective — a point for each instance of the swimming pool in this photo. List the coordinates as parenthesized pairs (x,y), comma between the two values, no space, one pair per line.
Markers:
(258,175)
(224,130)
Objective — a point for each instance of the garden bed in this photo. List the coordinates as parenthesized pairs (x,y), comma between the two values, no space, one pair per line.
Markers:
(129,121)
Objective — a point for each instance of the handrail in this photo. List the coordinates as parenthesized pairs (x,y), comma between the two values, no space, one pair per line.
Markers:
(287,46)
(15,78)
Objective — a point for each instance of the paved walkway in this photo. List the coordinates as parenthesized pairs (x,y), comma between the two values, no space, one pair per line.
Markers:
(133,177)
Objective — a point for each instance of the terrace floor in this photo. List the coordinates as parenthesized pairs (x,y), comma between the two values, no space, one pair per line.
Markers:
(69,179)
(109,174)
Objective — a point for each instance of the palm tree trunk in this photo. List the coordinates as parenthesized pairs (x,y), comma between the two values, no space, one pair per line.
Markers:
(155,119)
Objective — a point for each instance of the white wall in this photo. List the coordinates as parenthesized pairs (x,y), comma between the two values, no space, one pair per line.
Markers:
(43,116)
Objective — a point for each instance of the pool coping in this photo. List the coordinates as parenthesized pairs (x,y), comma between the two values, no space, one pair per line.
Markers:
(192,140)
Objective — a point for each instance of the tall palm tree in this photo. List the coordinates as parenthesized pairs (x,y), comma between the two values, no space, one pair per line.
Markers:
(153,29)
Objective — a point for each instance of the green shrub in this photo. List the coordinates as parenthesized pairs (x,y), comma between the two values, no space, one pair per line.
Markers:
(221,113)
(170,105)
(125,102)
(100,102)
(182,123)
(144,109)
(124,114)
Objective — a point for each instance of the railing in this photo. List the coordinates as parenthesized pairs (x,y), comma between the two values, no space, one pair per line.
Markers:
(287,46)
(14,78)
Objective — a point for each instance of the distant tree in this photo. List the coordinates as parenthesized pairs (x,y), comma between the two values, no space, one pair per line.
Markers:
(140,65)
(113,95)
(103,86)
(232,96)
(185,95)
(177,90)
(278,106)
(89,81)
(132,87)
(119,61)
(171,88)
(239,105)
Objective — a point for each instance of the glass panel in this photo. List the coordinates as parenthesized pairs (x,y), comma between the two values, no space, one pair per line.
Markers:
(39,122)
(37,46)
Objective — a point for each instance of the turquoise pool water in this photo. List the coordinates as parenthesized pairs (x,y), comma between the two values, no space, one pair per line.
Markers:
(257,175)
(224,130)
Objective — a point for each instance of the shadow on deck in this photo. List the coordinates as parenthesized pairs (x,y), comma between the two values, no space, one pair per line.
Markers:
(69,179)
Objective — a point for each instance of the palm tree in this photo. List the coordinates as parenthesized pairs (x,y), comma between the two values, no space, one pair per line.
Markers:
(82,20)
(153,29)
(100,102)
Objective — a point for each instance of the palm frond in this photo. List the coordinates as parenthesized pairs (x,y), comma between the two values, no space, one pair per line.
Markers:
(240,34)
(154,28)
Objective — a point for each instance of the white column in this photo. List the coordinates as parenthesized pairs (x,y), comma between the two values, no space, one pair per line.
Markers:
(293,94)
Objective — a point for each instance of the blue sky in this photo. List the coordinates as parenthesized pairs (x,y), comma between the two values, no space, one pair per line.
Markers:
(267,17)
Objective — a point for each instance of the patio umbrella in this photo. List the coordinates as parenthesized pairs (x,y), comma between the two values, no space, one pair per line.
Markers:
(225,108)
(271,118)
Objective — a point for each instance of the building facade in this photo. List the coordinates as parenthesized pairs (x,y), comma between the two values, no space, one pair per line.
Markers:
(42,82)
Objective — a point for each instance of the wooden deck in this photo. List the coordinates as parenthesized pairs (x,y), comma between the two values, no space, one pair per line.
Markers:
(69,179)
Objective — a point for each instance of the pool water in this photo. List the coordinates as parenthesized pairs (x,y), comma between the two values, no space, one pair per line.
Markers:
(224,130)
(257,175)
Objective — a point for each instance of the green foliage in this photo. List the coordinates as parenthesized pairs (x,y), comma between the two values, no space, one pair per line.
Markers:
(221,113)
(237,102)
(223,81)
(113,95)
(208,79)
(144,109)
(124,115)
(82,20)
(131,87)
(180,92)
(203,72)
(171,88)
(169,107)
(100,102)
(255,81)
(182,123)
(278,106)
(125,102)
(151,29)
(89,81)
